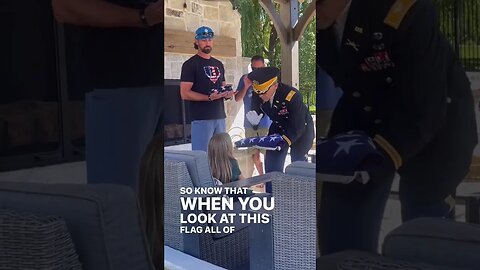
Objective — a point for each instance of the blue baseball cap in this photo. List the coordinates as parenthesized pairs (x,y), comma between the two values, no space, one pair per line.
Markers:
(204,32)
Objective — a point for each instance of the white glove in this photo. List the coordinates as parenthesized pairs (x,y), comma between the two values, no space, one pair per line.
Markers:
(253,117)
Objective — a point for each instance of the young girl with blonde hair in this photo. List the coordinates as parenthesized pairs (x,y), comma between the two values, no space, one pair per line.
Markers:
(220,157)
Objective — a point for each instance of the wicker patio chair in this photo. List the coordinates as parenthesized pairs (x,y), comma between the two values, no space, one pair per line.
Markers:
(228,251)
(102,219)
(289,240)
(29,241)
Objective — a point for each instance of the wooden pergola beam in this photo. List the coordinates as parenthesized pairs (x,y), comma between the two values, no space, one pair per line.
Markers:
(182,42)
(304,21)
(289,29)
(269,8)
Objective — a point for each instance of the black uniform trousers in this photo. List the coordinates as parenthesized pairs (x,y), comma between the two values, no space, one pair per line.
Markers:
(274,160)
(350,215)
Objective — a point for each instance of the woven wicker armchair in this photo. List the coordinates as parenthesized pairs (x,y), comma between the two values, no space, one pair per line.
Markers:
(103,221)
(289,240)
(29,241)
(230,251)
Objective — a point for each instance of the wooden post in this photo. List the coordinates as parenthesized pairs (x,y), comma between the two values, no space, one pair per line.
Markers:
(289,28)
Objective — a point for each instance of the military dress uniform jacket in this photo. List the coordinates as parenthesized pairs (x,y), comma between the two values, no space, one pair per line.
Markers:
(402,84)
(290,116)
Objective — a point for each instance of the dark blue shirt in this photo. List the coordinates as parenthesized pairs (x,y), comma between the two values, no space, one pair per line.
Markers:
(247,106)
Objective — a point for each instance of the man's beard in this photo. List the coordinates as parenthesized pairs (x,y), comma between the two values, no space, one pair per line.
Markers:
(206,50)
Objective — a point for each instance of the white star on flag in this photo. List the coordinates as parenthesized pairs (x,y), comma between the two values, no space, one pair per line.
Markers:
(262,139)
(345,146)
(252,140)
(272,139)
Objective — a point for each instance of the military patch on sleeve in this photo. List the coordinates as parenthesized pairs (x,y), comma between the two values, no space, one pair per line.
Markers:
(290,95)
(397,12)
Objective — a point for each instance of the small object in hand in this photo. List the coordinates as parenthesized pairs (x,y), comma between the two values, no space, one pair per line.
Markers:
(222,89)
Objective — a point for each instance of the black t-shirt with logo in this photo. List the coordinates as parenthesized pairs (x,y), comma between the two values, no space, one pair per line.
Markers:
(205,74)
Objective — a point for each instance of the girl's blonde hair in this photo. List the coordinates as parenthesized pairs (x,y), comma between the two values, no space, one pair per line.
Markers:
(220,152)
(150,197)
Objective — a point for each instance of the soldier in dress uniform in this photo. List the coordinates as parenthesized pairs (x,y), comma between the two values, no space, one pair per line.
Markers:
(290,117)
(404,86)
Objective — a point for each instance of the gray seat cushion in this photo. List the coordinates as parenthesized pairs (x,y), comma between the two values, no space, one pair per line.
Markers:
(437,241)
(197,166)
(360,260)
(103,220)
(301,168)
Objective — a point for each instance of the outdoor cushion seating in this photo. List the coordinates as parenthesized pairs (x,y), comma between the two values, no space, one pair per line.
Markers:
(103,220)
(437,241)
(227,250)
(197,165)
(361,260)
(301,168)
(424,243)
(288,241)
(30,241)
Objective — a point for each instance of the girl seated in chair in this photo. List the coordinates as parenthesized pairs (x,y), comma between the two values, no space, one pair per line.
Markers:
(223,165)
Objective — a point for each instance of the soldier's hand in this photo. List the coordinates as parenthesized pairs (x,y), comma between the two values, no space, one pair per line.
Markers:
(154,13)
(253,117)
(379,170)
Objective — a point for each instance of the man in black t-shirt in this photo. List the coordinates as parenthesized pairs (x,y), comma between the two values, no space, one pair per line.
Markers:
(114,55)
(201,80)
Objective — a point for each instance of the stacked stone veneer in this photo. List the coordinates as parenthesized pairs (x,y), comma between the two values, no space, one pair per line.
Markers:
(188,15)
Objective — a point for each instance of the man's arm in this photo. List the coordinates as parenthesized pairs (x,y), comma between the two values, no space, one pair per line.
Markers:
(187,93)
(245,84)
(100,13)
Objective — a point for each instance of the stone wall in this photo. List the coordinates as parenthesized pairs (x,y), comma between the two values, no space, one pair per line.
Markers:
(188,15)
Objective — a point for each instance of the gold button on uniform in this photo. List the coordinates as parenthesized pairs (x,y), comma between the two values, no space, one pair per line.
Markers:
(356,94)
(377,121)
(367,108)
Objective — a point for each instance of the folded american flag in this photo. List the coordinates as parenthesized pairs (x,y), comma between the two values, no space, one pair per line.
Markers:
(270,142)
(342,158)
(247,142)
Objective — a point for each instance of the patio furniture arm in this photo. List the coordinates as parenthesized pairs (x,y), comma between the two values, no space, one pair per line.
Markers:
(260,179)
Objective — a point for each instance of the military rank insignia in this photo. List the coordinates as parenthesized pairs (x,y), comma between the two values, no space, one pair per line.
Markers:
(378,61)
(283,111)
